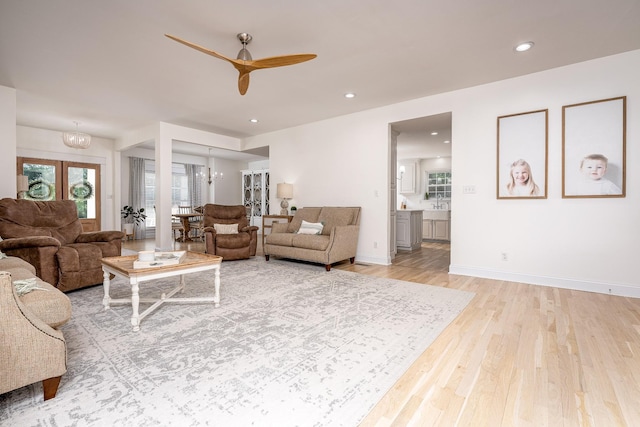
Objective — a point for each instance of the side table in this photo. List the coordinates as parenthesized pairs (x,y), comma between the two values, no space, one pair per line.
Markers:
(272,219)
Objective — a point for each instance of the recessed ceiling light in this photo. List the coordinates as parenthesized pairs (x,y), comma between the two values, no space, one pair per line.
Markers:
(523,47)
(349,95)
(434,133)
(446,142)
(254,120)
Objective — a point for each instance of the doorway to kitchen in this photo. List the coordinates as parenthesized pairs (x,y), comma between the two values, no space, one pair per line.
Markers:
(421,159)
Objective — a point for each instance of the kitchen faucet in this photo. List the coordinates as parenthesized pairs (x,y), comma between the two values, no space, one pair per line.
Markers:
(437,205)
(440,203)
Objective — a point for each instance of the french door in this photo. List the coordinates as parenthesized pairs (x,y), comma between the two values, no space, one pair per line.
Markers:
(60,180)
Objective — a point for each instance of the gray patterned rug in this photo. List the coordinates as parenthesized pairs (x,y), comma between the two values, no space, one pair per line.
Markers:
(290,345)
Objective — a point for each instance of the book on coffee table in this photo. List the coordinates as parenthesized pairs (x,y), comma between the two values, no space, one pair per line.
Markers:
(162,259)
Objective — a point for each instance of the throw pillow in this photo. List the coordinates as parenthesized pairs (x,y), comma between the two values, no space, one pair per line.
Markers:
(226,228)
(310,227)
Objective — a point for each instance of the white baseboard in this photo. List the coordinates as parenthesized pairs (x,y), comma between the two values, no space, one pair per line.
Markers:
(372,260)
(625,290)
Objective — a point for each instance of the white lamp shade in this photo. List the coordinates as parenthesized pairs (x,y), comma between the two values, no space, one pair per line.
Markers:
(23,183)
(76,139)
(284,191)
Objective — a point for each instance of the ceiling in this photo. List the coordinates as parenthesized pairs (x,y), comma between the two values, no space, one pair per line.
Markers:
(424,137)
(108,65)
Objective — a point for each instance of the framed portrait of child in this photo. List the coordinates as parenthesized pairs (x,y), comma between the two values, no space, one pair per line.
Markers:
(594,148)
(522,155)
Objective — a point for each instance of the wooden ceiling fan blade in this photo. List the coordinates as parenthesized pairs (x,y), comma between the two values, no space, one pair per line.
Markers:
(247,65)
(243,83)
(281,61)
(200,48)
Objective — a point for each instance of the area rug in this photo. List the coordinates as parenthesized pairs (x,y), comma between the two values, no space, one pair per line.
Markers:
(290,345)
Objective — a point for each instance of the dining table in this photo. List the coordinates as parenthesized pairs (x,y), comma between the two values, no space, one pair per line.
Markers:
(185,219)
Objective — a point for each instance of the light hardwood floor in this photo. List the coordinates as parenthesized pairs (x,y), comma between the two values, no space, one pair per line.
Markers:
(518,355)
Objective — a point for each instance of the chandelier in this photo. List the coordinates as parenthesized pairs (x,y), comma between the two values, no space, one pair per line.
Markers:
(215,176)
(212,177)
(76,139)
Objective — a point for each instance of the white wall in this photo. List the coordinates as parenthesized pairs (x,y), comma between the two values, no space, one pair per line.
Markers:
(586,244)
(338,162)
(228,191)
(8,138)
(582,243)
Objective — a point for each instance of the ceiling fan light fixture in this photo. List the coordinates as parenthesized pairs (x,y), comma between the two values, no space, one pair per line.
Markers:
(244,54)
(76,139)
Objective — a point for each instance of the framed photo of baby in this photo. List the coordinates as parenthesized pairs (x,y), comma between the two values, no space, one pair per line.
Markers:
(522,155)
(593,148)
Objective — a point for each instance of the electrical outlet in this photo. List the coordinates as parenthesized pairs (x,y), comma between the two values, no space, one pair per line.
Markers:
(504,256)
(375,245)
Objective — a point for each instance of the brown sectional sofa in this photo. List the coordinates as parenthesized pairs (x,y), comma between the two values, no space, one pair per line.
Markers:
(33,349)
(337,242)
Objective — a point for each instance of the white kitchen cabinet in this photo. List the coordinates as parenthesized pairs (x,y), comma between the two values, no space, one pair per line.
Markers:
(427,229)
(435,225)
(409,229)
(407,176)
(441,229)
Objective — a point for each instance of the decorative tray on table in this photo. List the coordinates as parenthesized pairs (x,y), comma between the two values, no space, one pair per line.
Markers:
(161,259)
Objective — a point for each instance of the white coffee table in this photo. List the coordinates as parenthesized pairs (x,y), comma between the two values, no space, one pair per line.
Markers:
(122,266)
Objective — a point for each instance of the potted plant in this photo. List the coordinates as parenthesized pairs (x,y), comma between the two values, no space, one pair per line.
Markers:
(131,217)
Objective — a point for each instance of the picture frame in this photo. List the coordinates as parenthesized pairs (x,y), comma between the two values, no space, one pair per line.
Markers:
(522,155)
(594,148)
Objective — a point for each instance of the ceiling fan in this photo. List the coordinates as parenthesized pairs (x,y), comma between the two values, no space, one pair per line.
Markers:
(244,63)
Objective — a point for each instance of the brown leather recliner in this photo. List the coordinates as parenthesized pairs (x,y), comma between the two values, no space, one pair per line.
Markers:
(240,245)
(48,235)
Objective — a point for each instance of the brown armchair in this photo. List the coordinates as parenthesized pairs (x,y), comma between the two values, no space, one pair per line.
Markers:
(48,235)
(240,245)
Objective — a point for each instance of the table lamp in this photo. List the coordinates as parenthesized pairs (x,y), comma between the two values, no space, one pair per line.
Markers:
(22,185)
(284,191)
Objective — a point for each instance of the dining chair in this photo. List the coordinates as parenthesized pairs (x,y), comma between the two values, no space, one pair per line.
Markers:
(176,227)
(197,224)
(196,229)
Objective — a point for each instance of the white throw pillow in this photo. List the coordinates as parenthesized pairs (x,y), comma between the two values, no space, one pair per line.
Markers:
(226,228)
(310,227)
